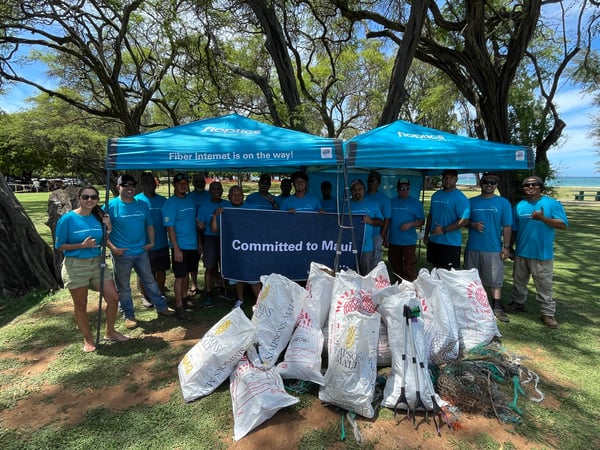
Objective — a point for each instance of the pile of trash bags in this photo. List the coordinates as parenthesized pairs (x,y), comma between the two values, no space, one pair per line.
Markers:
(335,333)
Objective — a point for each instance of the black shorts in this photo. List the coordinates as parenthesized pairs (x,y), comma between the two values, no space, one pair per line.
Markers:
(159,260)
(443,256)
(212,252)
(189,263)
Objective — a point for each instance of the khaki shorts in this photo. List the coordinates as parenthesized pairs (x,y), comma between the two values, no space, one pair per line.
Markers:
(83,272)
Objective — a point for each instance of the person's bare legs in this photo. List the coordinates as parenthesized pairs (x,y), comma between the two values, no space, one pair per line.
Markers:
(109,292)
(161,279)
(79,296)
(178,287)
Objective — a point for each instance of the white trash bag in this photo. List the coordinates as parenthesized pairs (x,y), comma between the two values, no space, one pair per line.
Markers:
(277,308)
(208,363)
(401,311)
(319,286)
(256,396)
(352,372)
(475,317)
(353,292)
(302,360)
(442,339)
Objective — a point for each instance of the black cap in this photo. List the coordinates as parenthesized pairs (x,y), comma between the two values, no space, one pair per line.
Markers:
(180,177)
(126,178)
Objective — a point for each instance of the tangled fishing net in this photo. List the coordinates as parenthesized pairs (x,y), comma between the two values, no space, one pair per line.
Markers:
(485,381)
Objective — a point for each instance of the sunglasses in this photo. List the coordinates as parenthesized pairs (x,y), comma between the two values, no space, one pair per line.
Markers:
(128,185)
(490,182)
(89,197)
(530,185)
(403,188)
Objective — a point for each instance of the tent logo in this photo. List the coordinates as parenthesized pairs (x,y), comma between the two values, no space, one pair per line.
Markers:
(220,130)
(326,153)
(429,137)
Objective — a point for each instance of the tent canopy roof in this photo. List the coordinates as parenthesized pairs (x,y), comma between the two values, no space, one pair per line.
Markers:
(408,146)
(230,142)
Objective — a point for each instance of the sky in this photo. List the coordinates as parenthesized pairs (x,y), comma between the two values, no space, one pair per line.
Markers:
(577,155)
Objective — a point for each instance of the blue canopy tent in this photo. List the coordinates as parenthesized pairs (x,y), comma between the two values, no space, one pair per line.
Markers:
(413,151)
(230,142)
(404,145)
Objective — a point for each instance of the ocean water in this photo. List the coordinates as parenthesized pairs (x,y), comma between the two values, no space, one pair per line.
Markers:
(594,182)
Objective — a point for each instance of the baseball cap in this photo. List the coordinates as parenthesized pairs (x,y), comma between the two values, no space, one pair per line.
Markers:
(180,177)
(126,178)
(357,180)
(403,181)
(453,172)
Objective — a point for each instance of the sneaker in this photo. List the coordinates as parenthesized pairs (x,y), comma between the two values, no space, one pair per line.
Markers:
(501,315)
(147,303)
(550,322)
(238,303)
(131,324)
(514,307)
(209,302)
(181,315)
(166,312)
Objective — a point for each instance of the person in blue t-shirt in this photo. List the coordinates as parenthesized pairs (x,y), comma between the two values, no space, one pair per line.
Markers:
(488,244)
(179,218)
(301,200)
(236,200)
(406,216)
(372,217)
(79,234)
(448,213)
(329,202)
(534,220)
(263,199)
(199,195)
(211,251)
(159,254)
(373,194)
(286,188)
(131,237)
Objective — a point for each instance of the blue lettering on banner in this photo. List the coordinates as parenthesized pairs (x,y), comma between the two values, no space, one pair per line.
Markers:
(262,242)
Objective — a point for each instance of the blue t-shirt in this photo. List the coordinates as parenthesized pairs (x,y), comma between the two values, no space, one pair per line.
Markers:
(535,239)
(371,209)
(330,205)
(205,212)
(73,228)
(180,213)
(404,210)
(279,199)
(258,201)
(306,203)
(446,208)
(495,213)
(155,205)
(129,222)
(199,197)
(383,201)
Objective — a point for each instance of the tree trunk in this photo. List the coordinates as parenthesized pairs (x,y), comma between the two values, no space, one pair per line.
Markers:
(60,202)
(26,258)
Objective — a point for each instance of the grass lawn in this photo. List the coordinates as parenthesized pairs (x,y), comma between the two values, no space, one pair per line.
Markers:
(127,395)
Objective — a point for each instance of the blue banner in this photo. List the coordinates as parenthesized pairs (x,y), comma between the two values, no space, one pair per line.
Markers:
(259,242)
